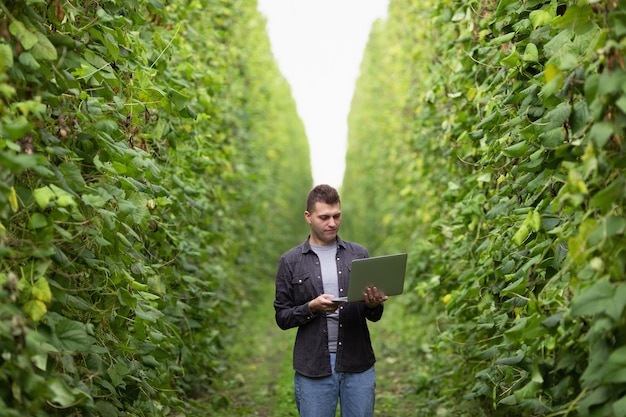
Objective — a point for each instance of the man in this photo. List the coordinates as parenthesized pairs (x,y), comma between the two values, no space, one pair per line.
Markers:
(333,357)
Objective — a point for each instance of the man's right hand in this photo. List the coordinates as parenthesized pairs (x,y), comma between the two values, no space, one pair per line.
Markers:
(323,304)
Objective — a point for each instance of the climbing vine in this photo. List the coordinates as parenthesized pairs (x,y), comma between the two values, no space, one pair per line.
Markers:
(141,145)
(496,131)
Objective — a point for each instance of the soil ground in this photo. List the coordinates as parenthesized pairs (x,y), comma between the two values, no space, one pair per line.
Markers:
(259,380)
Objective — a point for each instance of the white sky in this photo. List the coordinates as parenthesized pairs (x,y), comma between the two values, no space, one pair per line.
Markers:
(318,45)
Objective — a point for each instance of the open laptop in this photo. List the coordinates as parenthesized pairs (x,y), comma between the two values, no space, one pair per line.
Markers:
(383,272)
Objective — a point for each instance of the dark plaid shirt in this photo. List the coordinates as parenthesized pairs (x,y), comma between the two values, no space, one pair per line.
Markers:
(298,281)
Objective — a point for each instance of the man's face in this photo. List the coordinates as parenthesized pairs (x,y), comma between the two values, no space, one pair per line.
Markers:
(324,220)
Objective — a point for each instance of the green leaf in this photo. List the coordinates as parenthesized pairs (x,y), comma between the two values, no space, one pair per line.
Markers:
(600,133)
(43,196)
(7,91)
(580,117)
(15,129)
(6,57)
(540,18)
(531,53)
(511,60)
(63,395)
(26,38)
(604,199)
(502,39)
(619,407)
(95,60)
(52,194)
(618,22)
(134,209)
(73,335)
(534,220)
(111,44)
(553,321)
(521,234)
(93,200)
(148,296)
(514,360)
(593,299)
(509,400)
(553,74)
(35,309)
(577,245)
(593,400)
(619,302)
(108,126)
(529,390)
(27,59)
(552,138)
(37,221)
(187,113)
(578,19)
(126,298)
(41,291)
(107,409)
(72,176)
(148,313)
(124,240)
(558,116)
(516,150)
(614,369)
(150,361)
(116,373)
(63,198)
(43,49)
(516,287)
(606,229)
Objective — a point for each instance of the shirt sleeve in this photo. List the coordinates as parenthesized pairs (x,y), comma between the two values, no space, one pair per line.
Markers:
(289,315)
(374,314)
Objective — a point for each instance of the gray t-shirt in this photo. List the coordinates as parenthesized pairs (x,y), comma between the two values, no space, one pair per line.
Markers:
(328,263)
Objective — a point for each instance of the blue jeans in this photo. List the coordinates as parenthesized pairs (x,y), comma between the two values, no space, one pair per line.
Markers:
(318,397)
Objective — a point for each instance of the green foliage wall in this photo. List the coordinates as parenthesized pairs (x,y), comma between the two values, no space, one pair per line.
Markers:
(145,147)
(501,128)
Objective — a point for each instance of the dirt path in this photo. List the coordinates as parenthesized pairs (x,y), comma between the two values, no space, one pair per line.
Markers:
(260,378)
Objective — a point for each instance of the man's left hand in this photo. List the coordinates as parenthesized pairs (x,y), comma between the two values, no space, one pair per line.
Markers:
(373,297)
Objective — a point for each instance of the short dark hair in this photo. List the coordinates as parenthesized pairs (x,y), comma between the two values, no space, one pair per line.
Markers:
(322,193)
